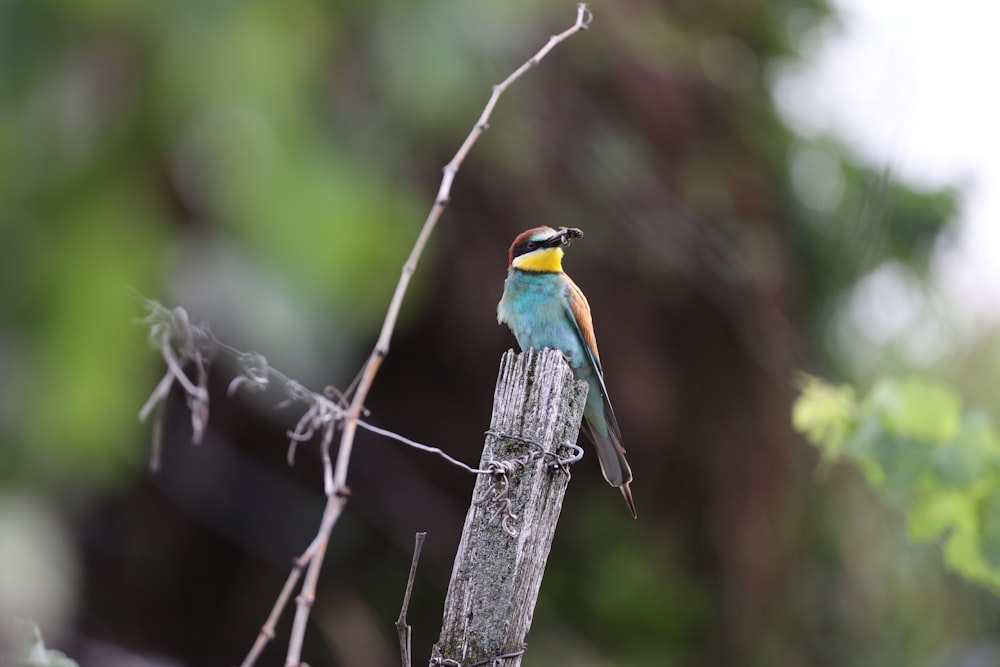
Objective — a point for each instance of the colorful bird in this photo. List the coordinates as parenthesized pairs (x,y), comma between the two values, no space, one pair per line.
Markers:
(545,308)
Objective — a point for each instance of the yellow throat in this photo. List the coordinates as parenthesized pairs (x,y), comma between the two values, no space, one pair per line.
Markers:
(547,260)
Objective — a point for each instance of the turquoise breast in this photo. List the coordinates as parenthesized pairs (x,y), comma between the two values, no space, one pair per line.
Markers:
(535,307)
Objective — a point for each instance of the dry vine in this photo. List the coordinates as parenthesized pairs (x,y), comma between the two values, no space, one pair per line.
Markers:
(338,498)
(402,627)
(174,335)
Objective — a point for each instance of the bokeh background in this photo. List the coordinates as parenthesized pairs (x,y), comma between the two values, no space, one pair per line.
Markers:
(267,166)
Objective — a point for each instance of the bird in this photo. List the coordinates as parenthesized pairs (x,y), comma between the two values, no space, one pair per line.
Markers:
(544,308)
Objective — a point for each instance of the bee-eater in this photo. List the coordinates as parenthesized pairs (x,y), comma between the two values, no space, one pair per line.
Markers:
(545,308)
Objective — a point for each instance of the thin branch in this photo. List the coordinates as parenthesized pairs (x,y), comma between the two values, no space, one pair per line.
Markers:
(404,630)
(337,500)
(156,449)
(304,601)
(266,633)
(197,345)
(583,20)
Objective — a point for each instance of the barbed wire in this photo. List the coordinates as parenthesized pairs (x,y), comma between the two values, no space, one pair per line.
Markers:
(182,342)
(497,499)
(437,660)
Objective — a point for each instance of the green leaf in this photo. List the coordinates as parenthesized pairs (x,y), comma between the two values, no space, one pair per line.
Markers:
(938,515)
(914,407)
(824,413)
(915,447)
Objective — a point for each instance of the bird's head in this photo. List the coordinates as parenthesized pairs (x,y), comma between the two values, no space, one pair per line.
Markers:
(541,248)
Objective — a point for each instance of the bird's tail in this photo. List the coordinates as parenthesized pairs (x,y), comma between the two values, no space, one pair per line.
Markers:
(611,455)
(627,492)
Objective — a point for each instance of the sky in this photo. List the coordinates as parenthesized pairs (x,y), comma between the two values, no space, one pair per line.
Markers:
(911,85)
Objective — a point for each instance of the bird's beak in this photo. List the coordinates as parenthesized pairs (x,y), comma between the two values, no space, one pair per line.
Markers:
(563,237)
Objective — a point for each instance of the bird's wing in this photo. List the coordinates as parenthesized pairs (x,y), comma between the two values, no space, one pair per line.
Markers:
(610,451)
(579,312)
(579,316)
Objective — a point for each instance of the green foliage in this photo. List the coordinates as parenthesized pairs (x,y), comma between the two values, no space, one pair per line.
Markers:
(860,219)
(178,147)
(266,165)
(920,451)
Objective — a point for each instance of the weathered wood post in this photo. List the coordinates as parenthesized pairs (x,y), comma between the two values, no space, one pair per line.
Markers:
(501,557)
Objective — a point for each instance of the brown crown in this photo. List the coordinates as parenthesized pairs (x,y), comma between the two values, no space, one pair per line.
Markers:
(522,238)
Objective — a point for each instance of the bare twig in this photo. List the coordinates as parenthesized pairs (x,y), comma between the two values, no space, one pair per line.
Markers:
(337,499)
(404,630)
(304,601)
(182,343)
(156,449)
(583,19)
(266,633)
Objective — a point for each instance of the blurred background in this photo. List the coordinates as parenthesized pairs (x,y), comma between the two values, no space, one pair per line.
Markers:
(764,186)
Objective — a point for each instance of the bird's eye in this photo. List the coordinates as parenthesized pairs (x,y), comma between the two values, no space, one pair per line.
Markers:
(532,245)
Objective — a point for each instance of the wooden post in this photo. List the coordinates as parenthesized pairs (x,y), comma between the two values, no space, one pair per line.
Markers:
(501,557)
